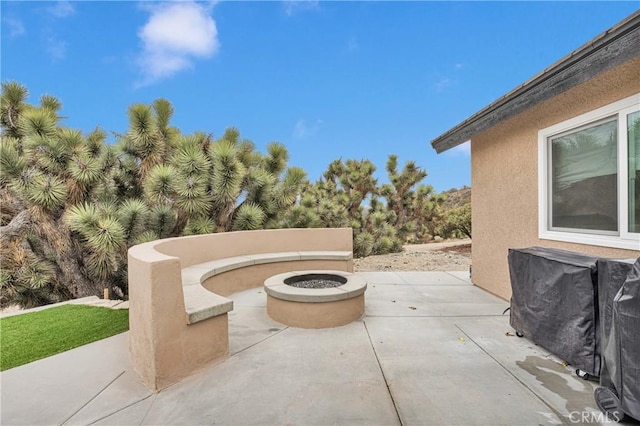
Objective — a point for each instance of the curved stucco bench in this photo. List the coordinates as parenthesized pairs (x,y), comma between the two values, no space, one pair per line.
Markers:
(177,288)
(201,304)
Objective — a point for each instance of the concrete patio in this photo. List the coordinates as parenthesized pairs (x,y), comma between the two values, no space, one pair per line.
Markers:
(432,349)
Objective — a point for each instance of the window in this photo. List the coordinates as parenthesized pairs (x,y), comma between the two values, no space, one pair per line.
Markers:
(633,125)
(589,177)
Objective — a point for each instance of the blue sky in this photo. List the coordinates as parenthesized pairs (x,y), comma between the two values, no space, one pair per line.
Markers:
(328,79)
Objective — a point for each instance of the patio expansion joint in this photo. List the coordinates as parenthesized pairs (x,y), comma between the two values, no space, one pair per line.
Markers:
(458,278)
(386,382)
(433,316)
(405,284)
(155,398)
(92,398)
(154,395)
(560,416)
(258,342)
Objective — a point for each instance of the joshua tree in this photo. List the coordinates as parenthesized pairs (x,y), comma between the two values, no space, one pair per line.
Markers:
(46,168)
(249,190)
(73,204)
(382,217)
(347,196)
(417,207)
(458,222)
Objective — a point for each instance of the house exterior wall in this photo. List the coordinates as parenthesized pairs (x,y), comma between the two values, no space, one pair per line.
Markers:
(504,164)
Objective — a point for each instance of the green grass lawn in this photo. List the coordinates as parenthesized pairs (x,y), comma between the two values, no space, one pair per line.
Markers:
(29,337)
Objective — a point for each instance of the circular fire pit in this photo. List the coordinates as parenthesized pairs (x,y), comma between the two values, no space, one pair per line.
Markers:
(315,299)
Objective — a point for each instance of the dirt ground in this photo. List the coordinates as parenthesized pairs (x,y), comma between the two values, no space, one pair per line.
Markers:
(445,256)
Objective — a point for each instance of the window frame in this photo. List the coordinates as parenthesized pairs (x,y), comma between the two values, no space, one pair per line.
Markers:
(622,239)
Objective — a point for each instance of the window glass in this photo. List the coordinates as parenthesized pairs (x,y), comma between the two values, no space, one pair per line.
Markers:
(633,126)
(584,173)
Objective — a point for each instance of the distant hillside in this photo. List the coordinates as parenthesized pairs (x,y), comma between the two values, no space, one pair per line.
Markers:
(457,197)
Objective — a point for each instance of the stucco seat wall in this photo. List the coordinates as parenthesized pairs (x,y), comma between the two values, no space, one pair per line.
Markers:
(234,280)
(205,301)
(195,249)
(178,312)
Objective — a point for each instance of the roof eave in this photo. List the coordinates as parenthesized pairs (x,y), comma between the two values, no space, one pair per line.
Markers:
(611,48)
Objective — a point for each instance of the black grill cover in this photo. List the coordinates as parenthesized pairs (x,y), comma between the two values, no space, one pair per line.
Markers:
(612,274)
(620,330)
(554,303)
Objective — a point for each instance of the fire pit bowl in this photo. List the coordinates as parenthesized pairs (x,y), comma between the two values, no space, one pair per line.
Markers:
(315,299)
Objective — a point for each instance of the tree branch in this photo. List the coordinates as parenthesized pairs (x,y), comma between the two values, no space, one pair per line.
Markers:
(16,228)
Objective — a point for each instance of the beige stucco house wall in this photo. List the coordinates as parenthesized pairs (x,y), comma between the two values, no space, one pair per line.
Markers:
(504,164)
(510,154)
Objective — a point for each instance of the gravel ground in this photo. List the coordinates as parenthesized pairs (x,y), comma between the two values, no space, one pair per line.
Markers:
(445,256)
(316,284)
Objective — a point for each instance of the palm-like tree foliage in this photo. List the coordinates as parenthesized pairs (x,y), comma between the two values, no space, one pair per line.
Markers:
(143,130)
(83,218)
(159,184)
(150,138)
(84,168)
(145,237)
(416,206)
(107,235)
(133,215)
(46,191)
(458,222)
(200,225)
(291,185)
(47,171)
(95,141)
(162,219)
(191,195)
(37,122)
(229,172)
(190,157)
(276,159)
(12,106)
(50,103)
(12,163)
(249,217)
(363,244)
(26,279)
(383,217)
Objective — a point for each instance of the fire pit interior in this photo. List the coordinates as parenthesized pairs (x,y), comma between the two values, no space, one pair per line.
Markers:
(315,281)
(315,299)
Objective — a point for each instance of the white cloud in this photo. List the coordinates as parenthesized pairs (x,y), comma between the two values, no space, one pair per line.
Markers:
(62,9)
(293,6)
(442,84)
(175,34)
(15,26)
(460,150)
(302,129)
(451,78)
(55,47)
